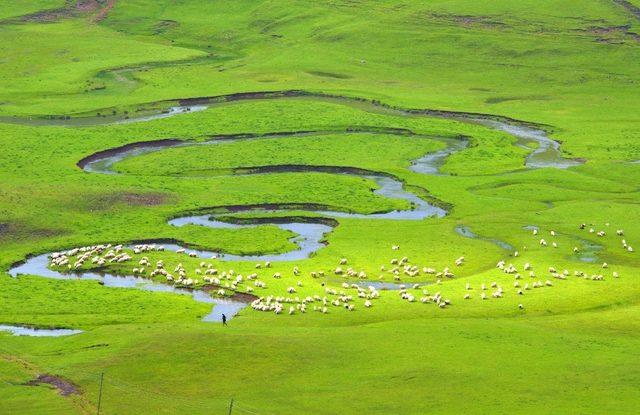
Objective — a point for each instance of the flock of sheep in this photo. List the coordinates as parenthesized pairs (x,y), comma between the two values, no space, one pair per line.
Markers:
(347,296)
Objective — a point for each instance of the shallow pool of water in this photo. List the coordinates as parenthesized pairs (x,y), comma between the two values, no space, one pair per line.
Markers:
(36,332)
(468,233)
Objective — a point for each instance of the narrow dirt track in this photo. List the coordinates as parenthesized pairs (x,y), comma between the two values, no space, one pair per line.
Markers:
(103,12)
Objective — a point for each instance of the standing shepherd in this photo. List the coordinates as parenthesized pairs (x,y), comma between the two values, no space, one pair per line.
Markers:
(224,320)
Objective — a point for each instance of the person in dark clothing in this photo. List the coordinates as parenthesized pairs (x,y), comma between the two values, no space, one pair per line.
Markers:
(224,320)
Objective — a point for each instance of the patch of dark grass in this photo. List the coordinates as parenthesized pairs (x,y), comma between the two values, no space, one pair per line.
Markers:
(329,75)
(498,100)
(104,202)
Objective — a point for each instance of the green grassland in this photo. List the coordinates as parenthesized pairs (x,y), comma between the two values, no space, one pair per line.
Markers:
(571,66)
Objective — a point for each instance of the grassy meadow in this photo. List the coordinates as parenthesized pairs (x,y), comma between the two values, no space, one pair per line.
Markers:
(567,347)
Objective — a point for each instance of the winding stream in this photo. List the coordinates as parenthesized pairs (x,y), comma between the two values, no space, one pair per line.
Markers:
(308,235)
(547,153)
(38,265)
(308,238)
